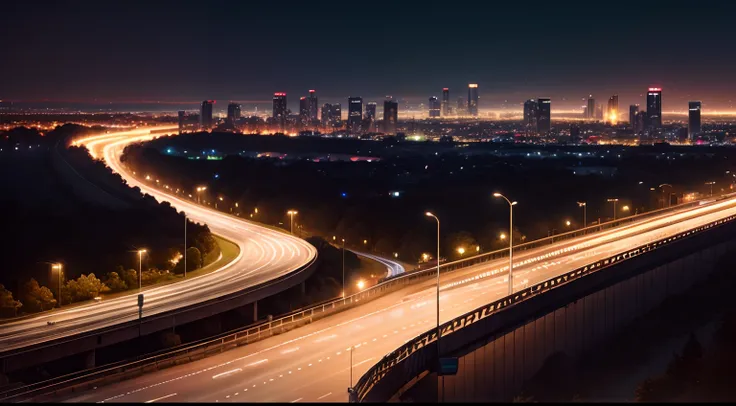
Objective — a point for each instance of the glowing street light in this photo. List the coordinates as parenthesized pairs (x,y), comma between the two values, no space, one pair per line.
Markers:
(425,257)
(461,250)
(567,223)
(502,236)
(584,205)
(292,213)
(711,186)
(625,208)
(57,266)
(361,284)
(430,214)
(140,268)
(511,239)
(614,207)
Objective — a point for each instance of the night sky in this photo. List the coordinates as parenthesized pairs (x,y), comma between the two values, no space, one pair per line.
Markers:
(186,51)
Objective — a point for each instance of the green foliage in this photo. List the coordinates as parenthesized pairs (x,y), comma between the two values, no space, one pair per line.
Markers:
(37,298)
(8,305)
(115,282)
(84,288)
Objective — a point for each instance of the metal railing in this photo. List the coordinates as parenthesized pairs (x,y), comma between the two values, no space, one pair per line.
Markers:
(192,352)
(375,374)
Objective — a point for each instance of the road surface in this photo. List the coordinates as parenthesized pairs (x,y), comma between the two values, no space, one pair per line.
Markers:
(393,268)
(264,254)
(313,363)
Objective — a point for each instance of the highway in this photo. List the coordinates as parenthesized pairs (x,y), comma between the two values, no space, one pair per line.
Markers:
(393,268)
(314,363)
(264,254)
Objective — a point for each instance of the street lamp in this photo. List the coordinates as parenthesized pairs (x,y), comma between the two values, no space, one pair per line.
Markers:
(614,207)
(361,284)
(711,186)
(625,208)
(140,269)
(343,268)
(511,240)
(429,214)
(58,267)
(502,236)
(461,250)
(292,213)
(567,223)
(200,189)
(584,205)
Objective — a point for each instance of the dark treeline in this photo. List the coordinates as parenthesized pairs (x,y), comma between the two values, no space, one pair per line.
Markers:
(353,199)
(44,222)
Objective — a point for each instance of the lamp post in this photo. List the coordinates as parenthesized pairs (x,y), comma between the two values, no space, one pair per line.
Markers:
(584,205)
(185,245)
(511,240)
(58,267)
(200,189)
(711,186)
(343,268)
(429,214)
(669,196)
(292,213)
(614,207)
(140,269)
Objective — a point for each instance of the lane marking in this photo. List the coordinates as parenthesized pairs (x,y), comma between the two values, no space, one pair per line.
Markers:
(232,371)
(296,400)
(161,398)
(324,396)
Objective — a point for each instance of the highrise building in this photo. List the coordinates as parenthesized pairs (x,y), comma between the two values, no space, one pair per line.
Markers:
(599,112)
(279,110)
(390,115)
(530,115)
(303,110)
(205,114)
(473,99)
(313,106)
(693,119)
(461,106)
(544,115)
(326,114)
(445,102)
(181,121)
(633,112)
(233,112)
(370,115)
(336,115)
(591,108)
(612,115)
(654,107)
(355,113)
(434,107)
(575,134)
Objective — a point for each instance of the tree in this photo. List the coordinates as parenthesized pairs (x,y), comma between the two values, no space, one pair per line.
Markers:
(7,304)
(37,298)
(85,287)
(194,259)
(461,241)
(115,283)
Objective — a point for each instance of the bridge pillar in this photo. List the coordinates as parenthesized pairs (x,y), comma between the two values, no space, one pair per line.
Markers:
(255,311)
(89,359)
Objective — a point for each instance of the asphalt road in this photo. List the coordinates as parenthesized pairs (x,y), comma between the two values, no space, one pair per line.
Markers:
(313,363)
(265,254)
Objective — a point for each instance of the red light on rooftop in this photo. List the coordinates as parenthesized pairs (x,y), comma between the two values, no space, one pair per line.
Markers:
(302,98)
(445,88)
(312,91)
(279,94)
(655,89)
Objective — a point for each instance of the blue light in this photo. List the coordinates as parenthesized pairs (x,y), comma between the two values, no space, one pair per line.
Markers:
(217,175)
(168,150)
(343,194)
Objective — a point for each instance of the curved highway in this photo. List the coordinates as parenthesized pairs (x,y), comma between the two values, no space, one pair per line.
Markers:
(264,254)
(313,363)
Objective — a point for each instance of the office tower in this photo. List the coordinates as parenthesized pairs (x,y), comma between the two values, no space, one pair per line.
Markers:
(575,134)
(313,106)
(585,112)
(693,119)
(544,115)
(233,112)
(599,112)
(370,115)
(181,121)
(326,114)
(612,115)
(591,108)
(633,112)
(336,115)
(461,106)
(530,115)
(279,110)
(445,102)
(473,99)
(434,107)
(303,110)
(654,107)
(205,114)
(355,113)
(390,115)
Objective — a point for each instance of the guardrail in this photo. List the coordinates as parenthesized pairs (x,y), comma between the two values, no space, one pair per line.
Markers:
(375,374)
(192,352)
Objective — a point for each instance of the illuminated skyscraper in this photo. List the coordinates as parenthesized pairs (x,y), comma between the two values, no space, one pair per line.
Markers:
(445,102)
(390,115)
(233,112)
(612,115)
(370,115)
(530,115)
(313,106)
(693,119)
(462,105)
(336,115)
(205,114)
(473,99)
(326,113)
(434,107)
(181,121)
(303,110)
(279,110)
(591,108)
(633,112)
(654,107)
(544,115)
(355,113)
